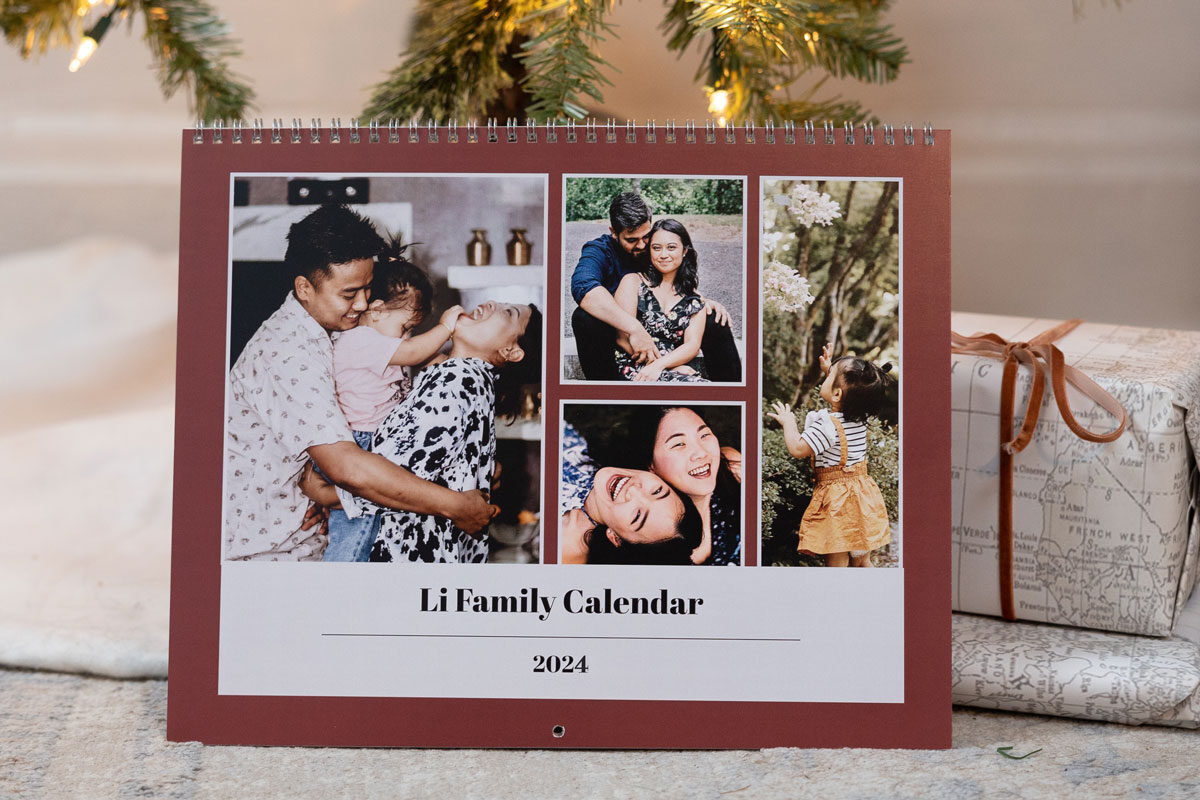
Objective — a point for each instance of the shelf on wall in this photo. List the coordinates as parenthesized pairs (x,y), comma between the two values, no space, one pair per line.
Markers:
(487,277)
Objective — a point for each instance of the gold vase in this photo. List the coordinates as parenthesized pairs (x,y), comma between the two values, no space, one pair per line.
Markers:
(479,252)
(518,248)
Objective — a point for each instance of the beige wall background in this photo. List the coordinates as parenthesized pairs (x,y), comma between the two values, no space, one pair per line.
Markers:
(1076,163)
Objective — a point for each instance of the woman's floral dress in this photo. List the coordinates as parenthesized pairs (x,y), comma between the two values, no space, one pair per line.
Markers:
(667,329)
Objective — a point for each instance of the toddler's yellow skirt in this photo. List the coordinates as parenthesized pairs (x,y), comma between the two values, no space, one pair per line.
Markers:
(847,513)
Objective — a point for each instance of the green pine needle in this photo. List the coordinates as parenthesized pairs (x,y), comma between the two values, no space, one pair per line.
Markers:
(755,50)
(190,45)
(461,57)
(561,62)
(453,66)
(38,25)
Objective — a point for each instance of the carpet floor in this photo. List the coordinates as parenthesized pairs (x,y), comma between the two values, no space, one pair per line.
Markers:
(68,736)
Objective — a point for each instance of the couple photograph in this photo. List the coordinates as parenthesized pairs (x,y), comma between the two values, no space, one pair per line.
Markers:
(654,280)
(376,408)
(646,483)
(831,370)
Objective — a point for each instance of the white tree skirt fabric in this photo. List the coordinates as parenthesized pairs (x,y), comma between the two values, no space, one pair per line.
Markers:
(86,444)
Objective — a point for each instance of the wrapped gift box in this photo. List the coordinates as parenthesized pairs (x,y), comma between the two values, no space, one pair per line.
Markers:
(1104,535)
(1065,672)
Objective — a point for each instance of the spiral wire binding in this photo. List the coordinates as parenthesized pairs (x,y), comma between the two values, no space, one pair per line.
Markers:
(591,132)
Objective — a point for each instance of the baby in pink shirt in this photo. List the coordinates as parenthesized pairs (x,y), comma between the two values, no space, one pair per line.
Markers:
(371,361)
(370,374)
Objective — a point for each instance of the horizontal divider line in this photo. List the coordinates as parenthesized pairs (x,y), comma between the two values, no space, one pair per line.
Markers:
(551,636)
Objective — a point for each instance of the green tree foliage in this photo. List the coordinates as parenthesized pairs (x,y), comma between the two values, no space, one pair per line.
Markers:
(764,54)
(541,58)
(190,46)
(588,198)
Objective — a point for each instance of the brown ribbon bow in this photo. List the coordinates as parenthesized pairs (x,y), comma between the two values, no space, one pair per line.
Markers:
(1013,354)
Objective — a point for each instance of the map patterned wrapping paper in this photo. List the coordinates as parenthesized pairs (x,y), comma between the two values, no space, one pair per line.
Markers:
(1067,672)
(1105,535)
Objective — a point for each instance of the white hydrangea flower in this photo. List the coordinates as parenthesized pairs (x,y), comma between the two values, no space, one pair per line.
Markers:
(810,207)
(784,289)
(770,240)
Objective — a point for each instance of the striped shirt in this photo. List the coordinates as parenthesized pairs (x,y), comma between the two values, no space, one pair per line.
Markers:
(822,437)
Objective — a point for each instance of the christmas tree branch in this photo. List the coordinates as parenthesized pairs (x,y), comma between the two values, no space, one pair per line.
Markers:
(758,48)
(190,45)
(453,66)
(40,24)
(561,61)
(851,46)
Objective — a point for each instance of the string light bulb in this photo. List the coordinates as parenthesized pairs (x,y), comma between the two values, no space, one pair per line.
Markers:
(91,40)
(718,101)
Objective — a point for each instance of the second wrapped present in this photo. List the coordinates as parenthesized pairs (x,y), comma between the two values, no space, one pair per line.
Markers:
(1101,471)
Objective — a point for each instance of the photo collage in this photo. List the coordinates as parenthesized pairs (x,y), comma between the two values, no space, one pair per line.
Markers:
(661,370)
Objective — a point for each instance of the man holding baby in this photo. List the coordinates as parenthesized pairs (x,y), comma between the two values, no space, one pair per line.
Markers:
(282,410)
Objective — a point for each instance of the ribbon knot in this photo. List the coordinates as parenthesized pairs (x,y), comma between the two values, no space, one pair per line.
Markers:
(1011,347)
(1040,355)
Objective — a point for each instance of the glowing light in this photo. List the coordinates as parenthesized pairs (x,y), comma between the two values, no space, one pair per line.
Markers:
(91,40)
(86,48)
(718,101)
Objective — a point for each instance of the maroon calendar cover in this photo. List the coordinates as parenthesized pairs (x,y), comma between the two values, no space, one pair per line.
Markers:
(563,436)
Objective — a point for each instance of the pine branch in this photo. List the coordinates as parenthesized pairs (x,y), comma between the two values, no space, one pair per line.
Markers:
(759,47)
(188,42)
(190,46)
(807,107)
(40,24)
(561,61)
(453,66)
(849,45)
